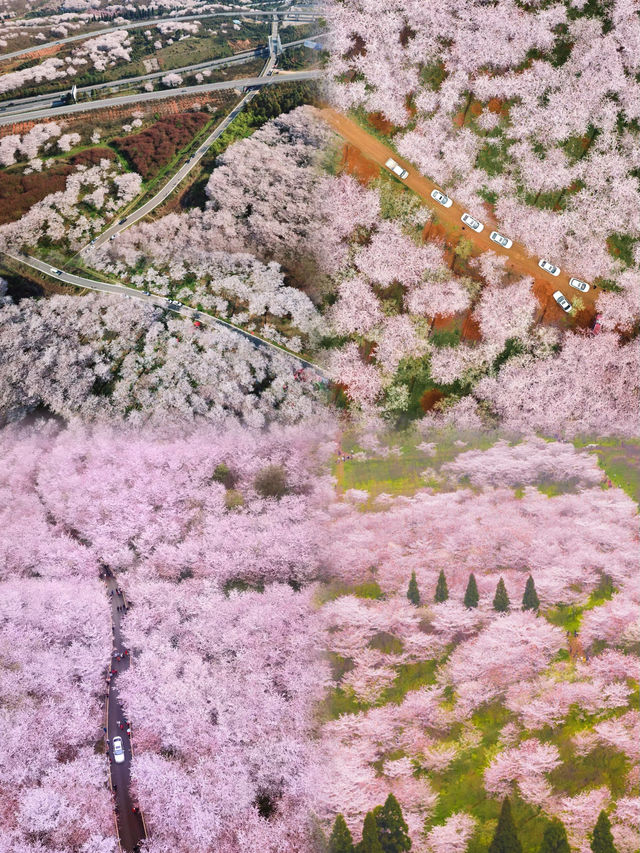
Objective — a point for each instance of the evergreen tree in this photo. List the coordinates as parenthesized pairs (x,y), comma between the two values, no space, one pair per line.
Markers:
(393,831)
(554,839)
(413,593)
(442,592)
(602,840)
(530,600)
(501,599)
(370,842)
(471,597)
(506,838)
(340,840)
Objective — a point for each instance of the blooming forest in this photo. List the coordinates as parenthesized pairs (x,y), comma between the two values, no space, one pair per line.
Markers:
(320,427)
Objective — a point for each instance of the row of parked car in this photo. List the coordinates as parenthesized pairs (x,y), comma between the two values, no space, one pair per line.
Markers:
(496,237)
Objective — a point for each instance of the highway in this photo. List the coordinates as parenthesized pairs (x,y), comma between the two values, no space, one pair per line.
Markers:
(191,163)
(160,302)
(142,97)
(15,107)
(298,17)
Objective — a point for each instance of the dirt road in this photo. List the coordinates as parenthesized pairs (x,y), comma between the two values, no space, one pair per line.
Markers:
(519,260)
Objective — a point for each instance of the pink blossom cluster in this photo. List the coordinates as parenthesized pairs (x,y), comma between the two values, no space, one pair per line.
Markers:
(87,358)
(55,637)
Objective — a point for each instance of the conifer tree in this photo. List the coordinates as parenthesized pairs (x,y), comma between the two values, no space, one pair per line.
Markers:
(506,838)
(471,597)
(530,600)
(393,831)
(340,840)
(442,592)
(501,599)
(602,840)
(370,842)
(554,839)
(413,593)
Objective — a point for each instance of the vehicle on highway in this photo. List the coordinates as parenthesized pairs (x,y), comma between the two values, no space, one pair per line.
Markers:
(443,199)
(547,266)
(118,750)
(93,241)
(396,169)
(113,237)
(121,221)
(147,292)
(472,223)
(597,325)
(501,240)
(579,285)
(562,301)
(55,271)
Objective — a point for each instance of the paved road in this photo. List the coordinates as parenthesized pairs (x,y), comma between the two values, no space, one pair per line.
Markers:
(17,107)
(298,17)
(131,827)
(160,302)
(131,100)
(183,171)
(519,259)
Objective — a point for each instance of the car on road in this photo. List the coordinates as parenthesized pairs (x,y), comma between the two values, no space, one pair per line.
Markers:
(472,223)
(597,325)
(579,285)
(118,750)
(441,198)
(547,266)
(501,240)
(55,271)
(396,168)
(147,292)
(122,221)
(113,237)
(562,301)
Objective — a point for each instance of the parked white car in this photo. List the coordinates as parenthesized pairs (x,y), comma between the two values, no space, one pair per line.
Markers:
(562,301)
(472,223)
(118,750)
(443,199)
(579,285)
(55,271)
(547,266)
(505,242)
(396,169)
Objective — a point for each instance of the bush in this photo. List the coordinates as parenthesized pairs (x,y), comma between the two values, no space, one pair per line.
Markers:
(151,149)
(271,482)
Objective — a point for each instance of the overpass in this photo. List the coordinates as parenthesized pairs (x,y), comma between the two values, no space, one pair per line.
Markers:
(39,113)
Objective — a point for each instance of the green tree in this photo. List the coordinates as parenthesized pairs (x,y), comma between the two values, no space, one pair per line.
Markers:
(471,597)
(271,482)
(501,599)
(530,600)
(370,842)
(340,840)
(393,832)
(554,839)
(506,838)
(442,592)
(413,593)
(602,840)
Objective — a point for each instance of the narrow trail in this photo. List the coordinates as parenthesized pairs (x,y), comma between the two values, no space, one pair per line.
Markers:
(129,818)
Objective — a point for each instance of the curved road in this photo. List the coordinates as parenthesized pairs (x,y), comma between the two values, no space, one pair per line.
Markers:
(130,823)
(297,17)
(160,302)
(519,259)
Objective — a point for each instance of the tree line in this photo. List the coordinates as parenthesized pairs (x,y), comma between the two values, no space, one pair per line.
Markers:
(385,831)
(501,602)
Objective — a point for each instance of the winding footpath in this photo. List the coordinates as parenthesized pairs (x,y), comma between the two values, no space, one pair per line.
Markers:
(129,819)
